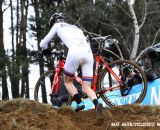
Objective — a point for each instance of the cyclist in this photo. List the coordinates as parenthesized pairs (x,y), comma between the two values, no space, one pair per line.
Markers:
(79,54)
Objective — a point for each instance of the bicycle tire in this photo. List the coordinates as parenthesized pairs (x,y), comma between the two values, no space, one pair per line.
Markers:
(43,84)
(115,97)
(41,94)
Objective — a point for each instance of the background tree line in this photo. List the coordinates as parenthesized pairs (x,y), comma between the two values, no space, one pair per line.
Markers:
(136,26)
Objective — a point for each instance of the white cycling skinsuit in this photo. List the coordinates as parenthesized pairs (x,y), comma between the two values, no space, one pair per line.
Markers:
(79,50)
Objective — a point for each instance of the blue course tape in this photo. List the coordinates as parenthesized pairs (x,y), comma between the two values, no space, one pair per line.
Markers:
(152,96)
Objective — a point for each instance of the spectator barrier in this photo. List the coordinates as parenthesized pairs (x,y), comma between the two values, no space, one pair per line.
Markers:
(152,96)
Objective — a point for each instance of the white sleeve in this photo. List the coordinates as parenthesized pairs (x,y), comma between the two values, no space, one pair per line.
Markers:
(48,37)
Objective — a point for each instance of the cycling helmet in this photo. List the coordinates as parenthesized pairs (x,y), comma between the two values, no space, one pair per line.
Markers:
(54,18)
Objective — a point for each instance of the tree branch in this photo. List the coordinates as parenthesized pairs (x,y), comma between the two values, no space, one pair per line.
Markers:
(141,54)
(123,10)
(6,8)
(145,14)
(153,12)
(155,37)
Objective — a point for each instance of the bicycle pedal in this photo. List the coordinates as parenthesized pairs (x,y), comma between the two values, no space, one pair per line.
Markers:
(79,108)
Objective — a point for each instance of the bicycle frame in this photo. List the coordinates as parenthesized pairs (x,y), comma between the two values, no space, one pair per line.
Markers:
(98,60)
(56,76)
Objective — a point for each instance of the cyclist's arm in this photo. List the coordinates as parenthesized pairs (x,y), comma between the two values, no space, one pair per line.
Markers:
(48,37)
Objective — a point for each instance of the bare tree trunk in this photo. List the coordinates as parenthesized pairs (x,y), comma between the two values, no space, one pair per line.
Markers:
(94,1)
(22,53)
(17,22)
(24,61)
(12,29)
(48,3)
(14,71)
(41,64)
(136,31)
(2,58)
(136,27)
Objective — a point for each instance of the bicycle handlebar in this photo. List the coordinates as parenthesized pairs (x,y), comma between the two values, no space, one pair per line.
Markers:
(103,38)
(54,54)
(58,54)
(101,41)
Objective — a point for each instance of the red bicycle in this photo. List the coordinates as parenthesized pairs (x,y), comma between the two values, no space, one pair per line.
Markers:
(119,82)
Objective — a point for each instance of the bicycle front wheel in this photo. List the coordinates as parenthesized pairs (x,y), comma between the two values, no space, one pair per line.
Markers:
(43,86)
(131,89)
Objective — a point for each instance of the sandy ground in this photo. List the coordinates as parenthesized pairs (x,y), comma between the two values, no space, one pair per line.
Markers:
(23,114)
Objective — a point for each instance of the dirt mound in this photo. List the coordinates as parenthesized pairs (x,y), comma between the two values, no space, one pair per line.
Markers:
(23,114)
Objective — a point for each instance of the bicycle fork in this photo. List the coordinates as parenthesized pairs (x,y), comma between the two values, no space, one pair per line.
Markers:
(56,82)
(57,78)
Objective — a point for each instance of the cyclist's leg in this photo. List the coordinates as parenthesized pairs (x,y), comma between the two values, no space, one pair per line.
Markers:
(71,66)
(73,92)
(86,88)
(87,76)
(68,81)
(87,72)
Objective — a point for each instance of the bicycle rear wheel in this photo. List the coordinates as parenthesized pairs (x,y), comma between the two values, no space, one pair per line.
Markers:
(133,88)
